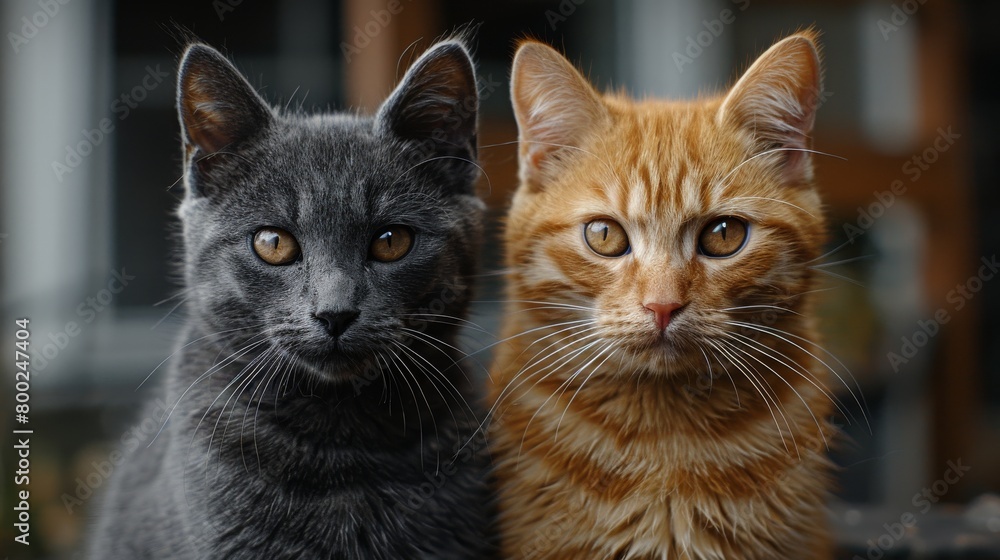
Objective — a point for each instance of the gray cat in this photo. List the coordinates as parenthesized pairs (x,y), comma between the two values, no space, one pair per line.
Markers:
(321,407)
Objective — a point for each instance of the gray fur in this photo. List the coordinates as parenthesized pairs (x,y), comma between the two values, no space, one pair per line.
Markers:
(307,445)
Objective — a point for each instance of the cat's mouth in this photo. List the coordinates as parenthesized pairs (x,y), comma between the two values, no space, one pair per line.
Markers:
(664,343)
(666,348)
(338,364)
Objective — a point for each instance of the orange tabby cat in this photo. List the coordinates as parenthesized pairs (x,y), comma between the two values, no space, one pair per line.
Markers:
(661,394)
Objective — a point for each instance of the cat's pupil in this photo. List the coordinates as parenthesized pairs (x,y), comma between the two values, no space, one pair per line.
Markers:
(275,246)
(391,244)
(714,240)
(606,238)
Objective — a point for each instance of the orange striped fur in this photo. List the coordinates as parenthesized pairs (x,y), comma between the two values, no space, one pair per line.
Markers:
(704,440)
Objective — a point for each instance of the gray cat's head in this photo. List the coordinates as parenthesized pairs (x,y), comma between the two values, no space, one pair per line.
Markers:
(326,233)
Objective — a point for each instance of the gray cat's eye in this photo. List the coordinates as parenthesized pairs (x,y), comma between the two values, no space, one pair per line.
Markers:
(723,237)
(391,243)
(276,246)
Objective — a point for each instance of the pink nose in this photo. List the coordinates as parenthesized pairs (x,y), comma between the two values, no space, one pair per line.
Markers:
(662,312)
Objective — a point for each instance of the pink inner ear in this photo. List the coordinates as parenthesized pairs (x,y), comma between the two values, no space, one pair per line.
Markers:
(797,165)
(206,125)
(217,106)
(535,155)
(554,105)
(776,101)
(202,118)
(536,151)
(436,100)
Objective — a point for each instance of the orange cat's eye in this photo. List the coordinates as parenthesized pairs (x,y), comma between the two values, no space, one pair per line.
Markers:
(606,237)
(391,243)
(275,246)
(723,237)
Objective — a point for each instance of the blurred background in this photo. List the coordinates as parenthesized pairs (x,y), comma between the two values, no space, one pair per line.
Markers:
(90,164)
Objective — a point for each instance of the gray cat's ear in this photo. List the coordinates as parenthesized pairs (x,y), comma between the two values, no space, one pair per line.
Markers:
(437,101)
(776,100)
(556,108)
(216,104)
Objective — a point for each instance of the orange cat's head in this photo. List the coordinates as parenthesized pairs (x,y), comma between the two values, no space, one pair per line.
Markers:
(665,222)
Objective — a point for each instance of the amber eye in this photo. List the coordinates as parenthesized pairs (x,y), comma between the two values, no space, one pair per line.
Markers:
(275,246)
(606,237)
(723,237)
(391,243)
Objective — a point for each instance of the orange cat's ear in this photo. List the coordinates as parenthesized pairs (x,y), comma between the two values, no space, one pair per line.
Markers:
(555,108)
(776,102)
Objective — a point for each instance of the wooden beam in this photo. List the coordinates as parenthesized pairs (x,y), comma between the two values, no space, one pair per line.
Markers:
(375,33)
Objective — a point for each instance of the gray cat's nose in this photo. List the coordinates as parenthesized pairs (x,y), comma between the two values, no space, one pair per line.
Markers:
(336,322)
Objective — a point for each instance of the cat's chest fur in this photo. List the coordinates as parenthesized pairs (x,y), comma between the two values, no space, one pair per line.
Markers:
(312,473)
(652,468)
